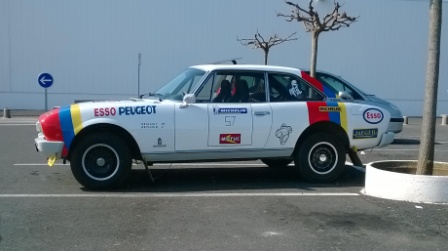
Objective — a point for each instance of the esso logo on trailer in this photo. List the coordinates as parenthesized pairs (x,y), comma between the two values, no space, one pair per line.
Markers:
(373,116)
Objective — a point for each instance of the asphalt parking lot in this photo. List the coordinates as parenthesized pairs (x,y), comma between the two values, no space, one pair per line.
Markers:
(209,206)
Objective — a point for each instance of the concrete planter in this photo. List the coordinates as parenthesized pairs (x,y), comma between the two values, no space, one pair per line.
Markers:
(396,180)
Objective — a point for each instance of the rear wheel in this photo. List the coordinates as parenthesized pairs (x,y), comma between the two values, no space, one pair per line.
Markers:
(101,161)
(321,157)
(277,163)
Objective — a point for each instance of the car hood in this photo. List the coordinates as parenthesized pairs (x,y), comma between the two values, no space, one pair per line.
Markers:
(393,109)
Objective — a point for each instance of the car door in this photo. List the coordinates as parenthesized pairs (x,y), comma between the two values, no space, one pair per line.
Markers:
(191,127)
(239,125)
(226,125)
(203,126)
(289,97)
(245,120)
(230,125)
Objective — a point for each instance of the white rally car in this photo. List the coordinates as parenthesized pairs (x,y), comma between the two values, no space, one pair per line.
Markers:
(214,113)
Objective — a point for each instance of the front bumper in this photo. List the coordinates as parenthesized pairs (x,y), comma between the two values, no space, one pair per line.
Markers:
(386,139)
(395,125)
(48,148)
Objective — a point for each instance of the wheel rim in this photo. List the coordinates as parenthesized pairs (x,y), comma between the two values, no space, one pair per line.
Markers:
(323,158)
(100,162)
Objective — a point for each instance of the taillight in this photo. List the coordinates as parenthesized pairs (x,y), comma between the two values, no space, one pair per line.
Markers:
(50,125)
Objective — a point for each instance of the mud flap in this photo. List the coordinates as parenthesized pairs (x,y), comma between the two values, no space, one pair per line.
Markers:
(353,154)
(51,160)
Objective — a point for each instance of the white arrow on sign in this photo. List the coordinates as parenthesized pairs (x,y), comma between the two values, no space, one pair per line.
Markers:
(44,81)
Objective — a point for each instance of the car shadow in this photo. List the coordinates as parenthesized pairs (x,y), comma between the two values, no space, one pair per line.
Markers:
(409,142)
(233,178)
(406,142)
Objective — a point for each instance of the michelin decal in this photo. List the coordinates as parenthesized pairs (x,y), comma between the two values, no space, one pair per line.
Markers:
(283,133)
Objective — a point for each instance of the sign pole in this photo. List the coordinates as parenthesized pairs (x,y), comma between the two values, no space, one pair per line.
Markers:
(138,77)
(46,100)
(45,80)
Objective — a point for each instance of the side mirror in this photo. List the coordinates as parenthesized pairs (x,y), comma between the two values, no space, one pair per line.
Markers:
(345,95)
(187,100)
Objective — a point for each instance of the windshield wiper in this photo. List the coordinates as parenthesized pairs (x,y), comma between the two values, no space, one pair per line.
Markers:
(158,95)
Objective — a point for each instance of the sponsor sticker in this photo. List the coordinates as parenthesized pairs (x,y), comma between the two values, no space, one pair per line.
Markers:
(159,143)
(124,110)
(218,110)
(152,125)
(329,109)
(365,133)
(283,133)
(137,110)
(232,138)
(104,111)
(294,90)
(373,116)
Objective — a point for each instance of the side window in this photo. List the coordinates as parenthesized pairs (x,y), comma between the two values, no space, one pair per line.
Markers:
(338,85)
(233,87)
(256,87)
(205,93)
(289,88)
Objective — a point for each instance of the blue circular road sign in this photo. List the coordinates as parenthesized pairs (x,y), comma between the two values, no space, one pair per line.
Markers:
(45,80)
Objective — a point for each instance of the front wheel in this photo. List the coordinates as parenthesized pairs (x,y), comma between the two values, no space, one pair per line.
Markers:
(320,158)
(101,161)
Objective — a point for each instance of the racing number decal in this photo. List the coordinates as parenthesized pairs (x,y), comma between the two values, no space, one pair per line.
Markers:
(229,120)
(230,125)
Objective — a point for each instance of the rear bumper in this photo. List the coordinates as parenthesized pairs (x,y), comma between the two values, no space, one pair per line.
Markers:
(48,148)
(386,139)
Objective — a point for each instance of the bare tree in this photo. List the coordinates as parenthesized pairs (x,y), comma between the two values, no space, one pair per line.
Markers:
(315,25)
(260,43)
(426,154)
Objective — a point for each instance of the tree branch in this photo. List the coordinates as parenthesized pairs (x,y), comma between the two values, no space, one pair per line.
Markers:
(313,23)
(258,42)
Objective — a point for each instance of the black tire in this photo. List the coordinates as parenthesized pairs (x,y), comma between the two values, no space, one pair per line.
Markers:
(320,158)
(276,163)
(101,161)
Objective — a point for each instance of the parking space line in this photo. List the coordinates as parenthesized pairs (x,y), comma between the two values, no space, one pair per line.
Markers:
(176,195)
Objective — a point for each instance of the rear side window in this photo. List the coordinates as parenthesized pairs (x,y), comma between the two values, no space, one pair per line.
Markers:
(289,88)
(338,85)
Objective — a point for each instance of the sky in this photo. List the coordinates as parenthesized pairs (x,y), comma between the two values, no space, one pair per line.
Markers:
(92,47)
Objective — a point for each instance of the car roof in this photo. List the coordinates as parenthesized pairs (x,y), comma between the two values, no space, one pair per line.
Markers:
(211,67)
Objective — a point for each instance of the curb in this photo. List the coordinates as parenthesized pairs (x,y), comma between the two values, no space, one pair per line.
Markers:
(405,187)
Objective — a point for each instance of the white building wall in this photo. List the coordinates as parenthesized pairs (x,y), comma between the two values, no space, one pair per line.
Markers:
(5,81)
(91,47)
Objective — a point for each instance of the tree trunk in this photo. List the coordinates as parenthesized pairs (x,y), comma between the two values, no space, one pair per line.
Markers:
(266,53)
(314,48)
(426,154)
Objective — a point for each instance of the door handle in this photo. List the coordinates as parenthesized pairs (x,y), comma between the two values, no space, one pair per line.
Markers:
(261,113)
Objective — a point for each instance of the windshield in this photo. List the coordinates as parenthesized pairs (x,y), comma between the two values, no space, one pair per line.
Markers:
(185,82)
